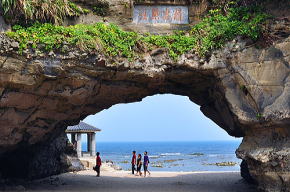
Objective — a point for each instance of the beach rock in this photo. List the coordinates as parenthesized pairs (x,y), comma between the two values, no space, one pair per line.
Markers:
(226,164)
(112,165)
(44,159)
(158,165)
(243,89)
(267,153)
(197,154)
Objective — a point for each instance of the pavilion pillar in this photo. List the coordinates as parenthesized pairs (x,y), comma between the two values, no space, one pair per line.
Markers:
(79,144)
(89,143)
(73,138)
(93,144)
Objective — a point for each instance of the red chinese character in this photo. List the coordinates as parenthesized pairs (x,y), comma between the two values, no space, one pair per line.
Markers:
(155,14)
(143,14)
(166,15)
(177,14)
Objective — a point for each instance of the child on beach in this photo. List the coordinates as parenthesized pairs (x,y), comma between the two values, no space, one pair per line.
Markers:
(133,162)
(98,164)
(146,162)
(139,164)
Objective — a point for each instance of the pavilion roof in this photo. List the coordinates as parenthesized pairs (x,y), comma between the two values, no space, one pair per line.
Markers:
(82,127)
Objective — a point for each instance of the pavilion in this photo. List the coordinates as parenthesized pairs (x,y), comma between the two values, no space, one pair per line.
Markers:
(76,138)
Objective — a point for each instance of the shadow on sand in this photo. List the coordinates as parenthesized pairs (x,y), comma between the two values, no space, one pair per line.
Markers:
(159,182)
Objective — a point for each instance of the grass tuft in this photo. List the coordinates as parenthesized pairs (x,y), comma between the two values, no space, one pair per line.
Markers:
(28,11)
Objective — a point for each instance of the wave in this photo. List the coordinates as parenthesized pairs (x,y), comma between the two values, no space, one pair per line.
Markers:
(214,155)
(170,154)
(154,156)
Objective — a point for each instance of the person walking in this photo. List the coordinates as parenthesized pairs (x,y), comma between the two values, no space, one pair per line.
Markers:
(98,164)
(139,164)
(146,163)
(133,162)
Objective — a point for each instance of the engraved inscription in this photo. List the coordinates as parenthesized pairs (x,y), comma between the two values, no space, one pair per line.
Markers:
(160,14)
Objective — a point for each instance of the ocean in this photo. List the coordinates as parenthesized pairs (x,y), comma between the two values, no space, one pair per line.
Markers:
(173,156)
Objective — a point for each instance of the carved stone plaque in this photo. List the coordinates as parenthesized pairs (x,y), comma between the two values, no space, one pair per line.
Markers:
(160,14)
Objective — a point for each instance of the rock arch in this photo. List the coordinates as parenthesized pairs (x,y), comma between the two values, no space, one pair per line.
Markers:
(243,89)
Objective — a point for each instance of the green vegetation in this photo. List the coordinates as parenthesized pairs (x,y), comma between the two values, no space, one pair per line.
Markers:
(25,12)
(244,89)
(78,10)
(7,5)
(259,116)
(225,4)
(211,33)
(217,28)
(47,37)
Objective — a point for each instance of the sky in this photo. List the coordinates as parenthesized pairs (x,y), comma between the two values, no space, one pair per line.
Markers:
(156,118)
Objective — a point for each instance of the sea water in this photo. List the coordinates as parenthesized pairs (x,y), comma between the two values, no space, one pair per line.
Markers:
(173,156)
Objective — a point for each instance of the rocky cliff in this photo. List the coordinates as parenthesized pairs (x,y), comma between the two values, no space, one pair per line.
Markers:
(244,89)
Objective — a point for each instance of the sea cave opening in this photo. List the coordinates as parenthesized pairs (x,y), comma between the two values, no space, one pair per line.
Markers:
(176,134)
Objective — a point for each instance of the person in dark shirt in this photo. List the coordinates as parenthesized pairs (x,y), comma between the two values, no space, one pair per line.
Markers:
(139,164)
(98,164)
(146,163)
(133,162)
(75,145)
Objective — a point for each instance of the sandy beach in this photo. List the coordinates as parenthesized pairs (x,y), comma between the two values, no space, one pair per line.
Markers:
(122,181)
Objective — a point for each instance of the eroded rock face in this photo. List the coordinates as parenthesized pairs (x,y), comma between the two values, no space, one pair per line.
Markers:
(266,152)
(243,89)
(49,157)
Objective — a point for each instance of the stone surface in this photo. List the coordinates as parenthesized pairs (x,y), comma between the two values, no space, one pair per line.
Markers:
(266,152)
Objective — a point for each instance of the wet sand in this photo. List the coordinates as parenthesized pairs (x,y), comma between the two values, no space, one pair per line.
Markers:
(123,181)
